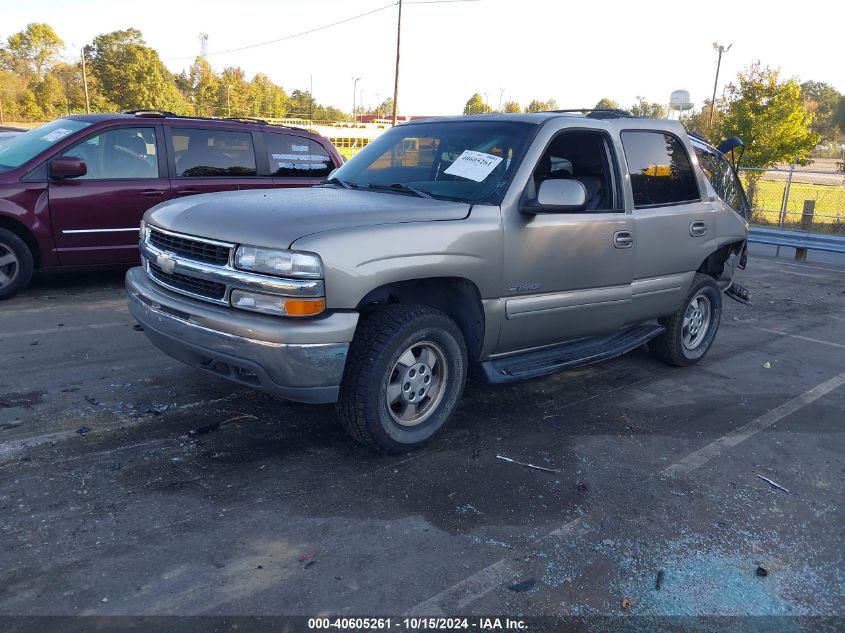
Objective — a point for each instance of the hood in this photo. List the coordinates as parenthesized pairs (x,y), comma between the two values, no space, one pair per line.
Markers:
(275,218)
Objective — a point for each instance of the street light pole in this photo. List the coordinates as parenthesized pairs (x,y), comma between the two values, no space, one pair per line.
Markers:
(721,50)
(501,92)
(355,81)
(85,81)
(396,75)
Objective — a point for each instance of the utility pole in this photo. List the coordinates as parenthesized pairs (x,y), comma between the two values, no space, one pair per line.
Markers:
(396,75)
(355,81)
(501,92)
(721,50)
(85,81)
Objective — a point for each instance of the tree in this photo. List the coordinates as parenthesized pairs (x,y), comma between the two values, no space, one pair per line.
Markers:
(606,104)
(132,75)
(648,110)
(771,118)
(823,100)
(266,98)
(203,87)
(32,50)
(385,109)
(512,106)
(233,93)
(840,114)
(475,105)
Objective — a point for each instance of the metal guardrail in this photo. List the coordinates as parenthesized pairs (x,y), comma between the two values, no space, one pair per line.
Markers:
(802,241)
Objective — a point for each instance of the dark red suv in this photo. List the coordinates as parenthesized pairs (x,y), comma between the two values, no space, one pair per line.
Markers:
(72,192)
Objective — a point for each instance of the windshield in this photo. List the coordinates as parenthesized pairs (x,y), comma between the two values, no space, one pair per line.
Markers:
(467,161)
(19,149)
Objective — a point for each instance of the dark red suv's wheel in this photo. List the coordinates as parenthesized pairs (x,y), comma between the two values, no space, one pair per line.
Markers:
(16,264)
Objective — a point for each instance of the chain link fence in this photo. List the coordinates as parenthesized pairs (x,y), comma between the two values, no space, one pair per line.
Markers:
(790,198)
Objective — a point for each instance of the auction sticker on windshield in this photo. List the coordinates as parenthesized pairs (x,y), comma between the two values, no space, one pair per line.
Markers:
(55,135)
(473,165)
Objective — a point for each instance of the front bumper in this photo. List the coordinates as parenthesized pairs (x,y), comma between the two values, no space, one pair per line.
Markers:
(297,359)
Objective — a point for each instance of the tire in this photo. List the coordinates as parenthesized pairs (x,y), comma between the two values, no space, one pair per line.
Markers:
(16,264)
(691,330)
(404,376)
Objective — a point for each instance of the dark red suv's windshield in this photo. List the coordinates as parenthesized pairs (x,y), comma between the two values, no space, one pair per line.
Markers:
(16,151)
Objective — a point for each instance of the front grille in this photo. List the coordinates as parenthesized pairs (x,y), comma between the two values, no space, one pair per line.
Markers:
(187,283)
(190,248)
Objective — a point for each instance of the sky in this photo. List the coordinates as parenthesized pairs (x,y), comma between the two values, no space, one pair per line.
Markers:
(518,50)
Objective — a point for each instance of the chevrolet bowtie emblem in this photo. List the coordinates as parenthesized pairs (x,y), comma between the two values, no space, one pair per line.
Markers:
(166,263)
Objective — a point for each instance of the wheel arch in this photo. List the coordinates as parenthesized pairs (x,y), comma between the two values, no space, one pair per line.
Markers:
(25,234)
(457,297)
(722,262)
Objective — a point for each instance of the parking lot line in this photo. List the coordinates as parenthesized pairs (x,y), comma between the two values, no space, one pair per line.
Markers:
(798,336)
(71,328)
(471,588)
(719,446)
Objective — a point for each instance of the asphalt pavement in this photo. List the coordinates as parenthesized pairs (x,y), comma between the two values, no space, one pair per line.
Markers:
(133,485)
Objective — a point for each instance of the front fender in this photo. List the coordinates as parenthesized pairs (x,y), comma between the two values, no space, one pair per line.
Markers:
(359,260)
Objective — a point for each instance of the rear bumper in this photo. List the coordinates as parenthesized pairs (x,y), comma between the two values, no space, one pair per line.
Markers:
(301,360)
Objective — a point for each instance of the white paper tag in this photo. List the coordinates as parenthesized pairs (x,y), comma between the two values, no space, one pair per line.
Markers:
(299,148)
(314,157)
(55,135)
(473,165)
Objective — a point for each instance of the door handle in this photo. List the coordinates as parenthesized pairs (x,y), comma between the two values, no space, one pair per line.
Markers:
(623,239)
(151,193)
(697,228)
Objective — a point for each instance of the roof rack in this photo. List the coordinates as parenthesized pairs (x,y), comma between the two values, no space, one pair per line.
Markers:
(150,112)
(246,119)
(597,113)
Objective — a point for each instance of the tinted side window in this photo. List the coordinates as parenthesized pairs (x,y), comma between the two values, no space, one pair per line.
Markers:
(213,153)
(721,175)
(660,169)
(295,156)
(122,153)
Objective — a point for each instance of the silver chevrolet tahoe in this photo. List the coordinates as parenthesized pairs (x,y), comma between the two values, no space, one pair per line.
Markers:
(512,246)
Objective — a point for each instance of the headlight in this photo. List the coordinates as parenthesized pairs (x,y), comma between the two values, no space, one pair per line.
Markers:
(274,304)
(280,263)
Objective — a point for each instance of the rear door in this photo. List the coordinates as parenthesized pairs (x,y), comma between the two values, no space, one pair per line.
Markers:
(209,159)
(296,161)
(96,217)
(675,222)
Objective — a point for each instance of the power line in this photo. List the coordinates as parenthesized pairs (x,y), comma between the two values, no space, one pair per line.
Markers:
(290,37)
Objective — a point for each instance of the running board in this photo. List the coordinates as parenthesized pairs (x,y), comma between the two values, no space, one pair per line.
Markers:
(550,360)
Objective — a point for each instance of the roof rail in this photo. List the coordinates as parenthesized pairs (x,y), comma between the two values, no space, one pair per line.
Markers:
(597,113)
(698,136)
(246,119)
(150,112)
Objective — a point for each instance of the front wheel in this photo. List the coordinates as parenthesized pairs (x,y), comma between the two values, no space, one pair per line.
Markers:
(16,264)
(405,374)
(691,330)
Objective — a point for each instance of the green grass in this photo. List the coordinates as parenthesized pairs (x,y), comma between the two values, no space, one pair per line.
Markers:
(829,198)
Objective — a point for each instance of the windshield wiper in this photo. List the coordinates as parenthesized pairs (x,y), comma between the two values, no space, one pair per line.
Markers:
(338,181)
(399,187)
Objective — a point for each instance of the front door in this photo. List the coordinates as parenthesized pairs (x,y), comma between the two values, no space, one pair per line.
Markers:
(96,217)
(568,275)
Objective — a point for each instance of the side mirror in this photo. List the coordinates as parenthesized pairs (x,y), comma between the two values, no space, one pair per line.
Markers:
(557,196)
(68,167)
